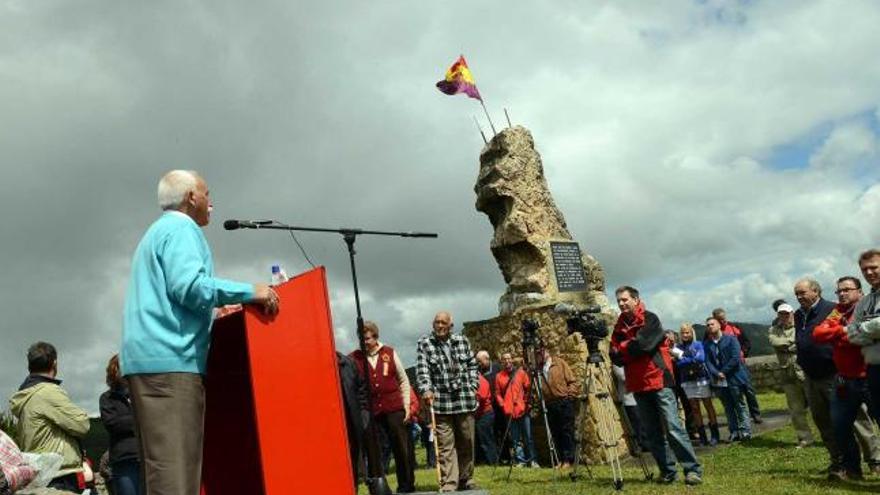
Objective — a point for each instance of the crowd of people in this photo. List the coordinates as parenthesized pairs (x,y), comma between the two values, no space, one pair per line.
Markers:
(475,410)
(461,405)
(829,355)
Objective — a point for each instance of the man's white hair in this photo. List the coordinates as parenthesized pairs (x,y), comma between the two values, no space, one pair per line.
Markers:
(811,283)
(174,186)
(482,354)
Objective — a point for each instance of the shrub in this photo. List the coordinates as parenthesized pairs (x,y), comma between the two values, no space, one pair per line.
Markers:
(7,423)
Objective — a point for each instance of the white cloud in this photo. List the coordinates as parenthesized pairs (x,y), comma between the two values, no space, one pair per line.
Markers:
(845,147)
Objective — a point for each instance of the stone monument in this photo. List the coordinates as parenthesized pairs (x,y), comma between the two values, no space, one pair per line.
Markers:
(542,266)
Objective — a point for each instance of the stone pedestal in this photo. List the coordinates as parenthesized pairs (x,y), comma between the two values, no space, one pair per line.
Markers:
(503,334)
(512,191)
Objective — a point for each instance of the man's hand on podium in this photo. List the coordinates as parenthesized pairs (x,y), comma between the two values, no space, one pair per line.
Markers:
(266,297)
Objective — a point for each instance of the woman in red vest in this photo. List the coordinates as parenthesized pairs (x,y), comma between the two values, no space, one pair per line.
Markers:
(390,397)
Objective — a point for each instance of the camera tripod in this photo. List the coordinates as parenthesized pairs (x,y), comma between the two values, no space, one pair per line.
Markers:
(606,434)
(536,396)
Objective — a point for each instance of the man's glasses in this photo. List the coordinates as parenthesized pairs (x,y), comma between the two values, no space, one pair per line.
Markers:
(844,290)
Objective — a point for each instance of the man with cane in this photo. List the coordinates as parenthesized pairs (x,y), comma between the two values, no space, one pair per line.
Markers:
(446,378)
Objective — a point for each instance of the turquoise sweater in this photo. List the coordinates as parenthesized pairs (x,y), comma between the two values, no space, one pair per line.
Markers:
(171,297)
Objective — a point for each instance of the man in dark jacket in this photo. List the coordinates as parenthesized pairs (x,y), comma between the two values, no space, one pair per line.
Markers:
(723,359)
(638,343)
(817,362)
(745,345)
(354,397)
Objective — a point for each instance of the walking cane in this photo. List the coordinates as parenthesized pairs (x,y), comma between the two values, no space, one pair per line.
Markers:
(436,448)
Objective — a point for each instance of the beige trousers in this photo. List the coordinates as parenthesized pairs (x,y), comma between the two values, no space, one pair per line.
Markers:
(455,441)
(169,409)
(796,397)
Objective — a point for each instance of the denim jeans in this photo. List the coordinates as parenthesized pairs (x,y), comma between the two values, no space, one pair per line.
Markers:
(847,398)
(521,434)
(733,398)
(126,478)
(658,413)
(486,448)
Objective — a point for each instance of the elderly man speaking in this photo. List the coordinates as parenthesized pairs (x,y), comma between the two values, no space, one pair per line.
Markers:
(166,333)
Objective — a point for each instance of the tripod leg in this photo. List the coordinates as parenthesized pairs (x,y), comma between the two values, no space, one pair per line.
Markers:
(537,378)
(501,446)
(578,430)
(519,441)
(610,443)
(631,434)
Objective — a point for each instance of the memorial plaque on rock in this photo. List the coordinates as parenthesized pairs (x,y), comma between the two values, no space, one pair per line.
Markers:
(568,266)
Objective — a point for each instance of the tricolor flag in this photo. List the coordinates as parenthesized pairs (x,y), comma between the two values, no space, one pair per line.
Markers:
(459,80)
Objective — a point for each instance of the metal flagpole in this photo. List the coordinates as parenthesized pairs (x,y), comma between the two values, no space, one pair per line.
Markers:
(487,116)
(481,130)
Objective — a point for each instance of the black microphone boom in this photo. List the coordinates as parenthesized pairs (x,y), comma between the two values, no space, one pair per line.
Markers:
(376,482)
(240,224)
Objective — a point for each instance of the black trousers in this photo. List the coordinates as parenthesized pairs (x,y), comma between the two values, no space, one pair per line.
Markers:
(398,435)
(686,407)
(560,415)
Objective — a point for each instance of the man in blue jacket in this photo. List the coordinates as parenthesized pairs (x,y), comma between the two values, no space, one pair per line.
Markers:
(169,308)
(728,377)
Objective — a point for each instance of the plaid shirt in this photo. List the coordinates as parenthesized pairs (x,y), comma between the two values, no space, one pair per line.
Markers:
(454,382)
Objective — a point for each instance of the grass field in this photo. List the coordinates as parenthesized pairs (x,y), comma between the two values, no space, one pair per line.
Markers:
(769,464)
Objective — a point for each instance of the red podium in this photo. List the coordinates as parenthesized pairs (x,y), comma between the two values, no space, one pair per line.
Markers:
(275,422)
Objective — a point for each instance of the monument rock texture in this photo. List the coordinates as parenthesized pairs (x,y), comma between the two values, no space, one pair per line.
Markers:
(512,191)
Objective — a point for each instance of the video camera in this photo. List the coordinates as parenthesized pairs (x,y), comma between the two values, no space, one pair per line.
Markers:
(530,336)
(587,322)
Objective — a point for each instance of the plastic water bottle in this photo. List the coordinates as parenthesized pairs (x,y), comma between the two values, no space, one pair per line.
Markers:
(278,275)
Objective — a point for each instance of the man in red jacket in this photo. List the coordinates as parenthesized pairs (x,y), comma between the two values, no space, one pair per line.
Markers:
(512,389)
(638,343)
(485,422)
(850,397)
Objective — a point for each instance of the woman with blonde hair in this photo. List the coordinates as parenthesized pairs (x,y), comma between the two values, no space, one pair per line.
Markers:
(694,379)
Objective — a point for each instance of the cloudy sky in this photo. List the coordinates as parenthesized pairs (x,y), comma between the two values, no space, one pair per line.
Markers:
(710,152)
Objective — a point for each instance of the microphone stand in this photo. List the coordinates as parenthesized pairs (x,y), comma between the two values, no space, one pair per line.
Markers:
(376,486)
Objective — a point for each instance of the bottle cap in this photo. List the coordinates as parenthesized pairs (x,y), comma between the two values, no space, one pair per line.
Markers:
(276,269)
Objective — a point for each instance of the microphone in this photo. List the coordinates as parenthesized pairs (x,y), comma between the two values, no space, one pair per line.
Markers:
(240,224)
